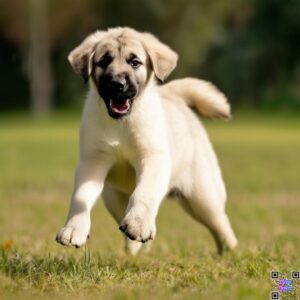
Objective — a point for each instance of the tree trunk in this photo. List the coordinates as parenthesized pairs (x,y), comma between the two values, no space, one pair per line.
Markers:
(40,76)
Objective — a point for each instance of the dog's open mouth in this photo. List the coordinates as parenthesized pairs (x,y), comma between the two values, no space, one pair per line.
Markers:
(119,106)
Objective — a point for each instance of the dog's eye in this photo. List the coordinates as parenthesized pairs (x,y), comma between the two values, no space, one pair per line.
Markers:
(135,63)
(105,61)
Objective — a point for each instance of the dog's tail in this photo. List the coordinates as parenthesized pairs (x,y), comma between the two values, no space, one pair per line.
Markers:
(202,95)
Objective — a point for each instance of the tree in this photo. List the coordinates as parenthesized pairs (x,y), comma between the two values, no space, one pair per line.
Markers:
(40,75)
(36,28)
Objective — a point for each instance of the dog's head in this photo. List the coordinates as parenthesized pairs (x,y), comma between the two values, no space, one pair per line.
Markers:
(120,62)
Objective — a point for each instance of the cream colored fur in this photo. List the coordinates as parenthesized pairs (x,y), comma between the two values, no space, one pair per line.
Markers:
(135,162)
(202,95)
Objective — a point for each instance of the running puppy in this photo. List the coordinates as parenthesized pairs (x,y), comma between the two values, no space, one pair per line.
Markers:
(140,141)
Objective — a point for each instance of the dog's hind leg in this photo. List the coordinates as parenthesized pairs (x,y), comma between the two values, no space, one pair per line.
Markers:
(208,208)
(215,220)
(116,202)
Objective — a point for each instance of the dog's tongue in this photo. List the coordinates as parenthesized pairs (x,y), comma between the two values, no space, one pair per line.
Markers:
(119,107)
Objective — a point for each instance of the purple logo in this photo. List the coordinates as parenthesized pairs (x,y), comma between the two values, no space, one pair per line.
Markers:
(285,285)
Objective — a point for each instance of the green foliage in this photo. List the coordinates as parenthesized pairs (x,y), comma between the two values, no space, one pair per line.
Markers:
(258,60)
(248,48)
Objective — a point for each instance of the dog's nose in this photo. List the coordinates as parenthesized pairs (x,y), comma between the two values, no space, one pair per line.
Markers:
(118,83)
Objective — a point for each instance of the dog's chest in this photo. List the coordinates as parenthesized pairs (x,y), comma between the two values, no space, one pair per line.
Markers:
(119,143)
(121,148)
(122,152)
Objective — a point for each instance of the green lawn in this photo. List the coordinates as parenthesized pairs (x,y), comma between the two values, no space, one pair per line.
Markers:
(260,158)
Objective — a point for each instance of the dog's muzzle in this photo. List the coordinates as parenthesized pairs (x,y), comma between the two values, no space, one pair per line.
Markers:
(118,94)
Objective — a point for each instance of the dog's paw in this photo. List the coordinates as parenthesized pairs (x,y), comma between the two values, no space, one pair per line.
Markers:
(72,236)
(138,227)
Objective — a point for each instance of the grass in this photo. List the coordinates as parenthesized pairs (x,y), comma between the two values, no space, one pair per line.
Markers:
(260,158)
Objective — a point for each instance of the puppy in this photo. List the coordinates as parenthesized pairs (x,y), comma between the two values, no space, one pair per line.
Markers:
(140,141)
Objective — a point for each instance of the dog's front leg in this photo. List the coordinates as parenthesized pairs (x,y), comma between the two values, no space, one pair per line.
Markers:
(152,185)
(89,180)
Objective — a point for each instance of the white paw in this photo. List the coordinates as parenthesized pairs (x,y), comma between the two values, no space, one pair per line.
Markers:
(138,225)
(72,235)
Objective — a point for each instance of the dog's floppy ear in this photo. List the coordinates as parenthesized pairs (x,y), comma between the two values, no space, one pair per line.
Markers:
(163,58)
(81,57)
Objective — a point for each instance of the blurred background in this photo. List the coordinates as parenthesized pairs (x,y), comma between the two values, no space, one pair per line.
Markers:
(250,49)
